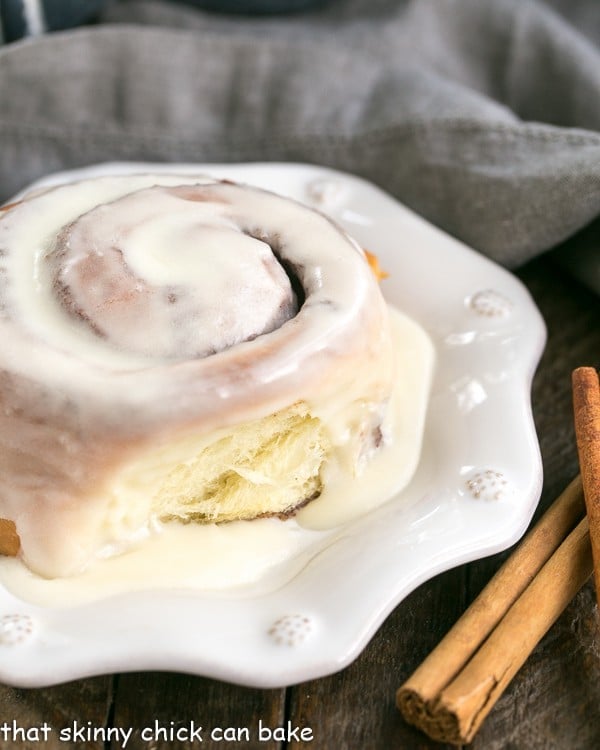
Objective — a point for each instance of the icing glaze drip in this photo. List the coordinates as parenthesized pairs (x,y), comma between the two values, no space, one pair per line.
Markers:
(175,262)
(115,289)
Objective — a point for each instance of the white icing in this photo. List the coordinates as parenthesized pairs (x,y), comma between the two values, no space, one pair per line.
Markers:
(199,283)
(91,405)
(342,292)
(257,555)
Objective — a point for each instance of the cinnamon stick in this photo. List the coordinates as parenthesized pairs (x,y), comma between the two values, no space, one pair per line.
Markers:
(9,539)
(586,409)
(454,689)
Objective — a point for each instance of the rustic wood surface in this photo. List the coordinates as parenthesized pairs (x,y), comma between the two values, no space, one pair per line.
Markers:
(554,701)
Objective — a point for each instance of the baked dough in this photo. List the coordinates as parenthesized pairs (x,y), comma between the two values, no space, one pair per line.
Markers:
(177,347)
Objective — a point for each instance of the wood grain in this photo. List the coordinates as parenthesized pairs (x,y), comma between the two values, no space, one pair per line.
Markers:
(554,700)
(172,702)
(9,539)
(67,707)
(356,708)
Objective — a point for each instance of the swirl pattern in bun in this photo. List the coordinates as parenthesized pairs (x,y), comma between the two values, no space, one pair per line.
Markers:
(175,347)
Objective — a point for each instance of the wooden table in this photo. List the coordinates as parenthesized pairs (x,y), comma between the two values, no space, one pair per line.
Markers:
(554,702)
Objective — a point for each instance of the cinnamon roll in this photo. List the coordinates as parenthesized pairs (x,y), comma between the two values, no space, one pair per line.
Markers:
(177,348)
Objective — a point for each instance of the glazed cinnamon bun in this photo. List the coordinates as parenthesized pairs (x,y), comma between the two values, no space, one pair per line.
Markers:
(177,348)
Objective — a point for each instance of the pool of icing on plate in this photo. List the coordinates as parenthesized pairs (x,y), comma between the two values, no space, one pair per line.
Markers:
(257,555)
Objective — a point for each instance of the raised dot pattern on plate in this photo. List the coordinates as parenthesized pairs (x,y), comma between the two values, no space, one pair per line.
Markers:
(324,193)
(14,629)
(490,304)
(291,630)
(488,484)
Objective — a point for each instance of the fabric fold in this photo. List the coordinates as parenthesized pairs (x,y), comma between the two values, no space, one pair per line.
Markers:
(482,115)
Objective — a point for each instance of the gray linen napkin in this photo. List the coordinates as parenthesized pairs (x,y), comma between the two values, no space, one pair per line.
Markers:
(482,115)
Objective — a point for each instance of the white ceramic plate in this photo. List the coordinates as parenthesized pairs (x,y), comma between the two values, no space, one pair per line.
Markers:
(474,492)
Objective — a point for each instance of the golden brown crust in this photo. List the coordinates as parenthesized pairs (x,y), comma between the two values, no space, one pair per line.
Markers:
(9,539)
(8,206)
(70,424)
(373,261)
